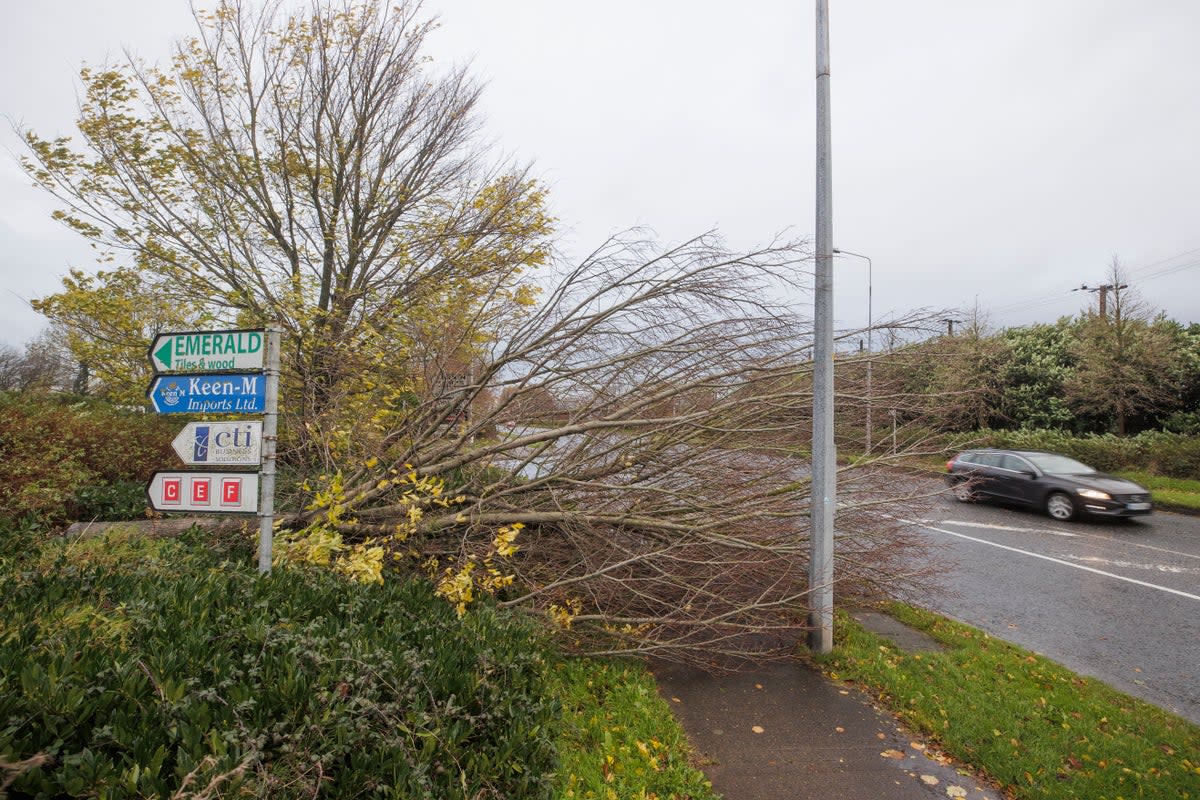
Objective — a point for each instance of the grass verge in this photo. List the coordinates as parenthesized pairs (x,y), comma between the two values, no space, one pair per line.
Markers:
(1179,493)
(1033,726)
(619,739)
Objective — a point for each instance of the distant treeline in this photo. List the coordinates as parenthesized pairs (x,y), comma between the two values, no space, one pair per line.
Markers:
(1122,373)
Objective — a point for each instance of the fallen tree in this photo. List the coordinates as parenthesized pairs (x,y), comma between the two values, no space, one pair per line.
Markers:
(644,428)
(624,451)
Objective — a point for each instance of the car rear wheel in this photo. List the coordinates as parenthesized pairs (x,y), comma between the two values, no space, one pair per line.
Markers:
(963,492)
(1060,507)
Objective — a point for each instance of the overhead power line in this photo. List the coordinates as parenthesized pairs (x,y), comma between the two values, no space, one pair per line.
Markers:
(1162,273)
(1043,299)
(1151,265)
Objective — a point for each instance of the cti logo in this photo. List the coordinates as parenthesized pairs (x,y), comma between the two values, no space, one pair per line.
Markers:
(224,439)
(200,445)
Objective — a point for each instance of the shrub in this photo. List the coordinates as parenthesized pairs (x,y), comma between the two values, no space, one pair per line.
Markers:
(53,447)
(119,500)
(144,668)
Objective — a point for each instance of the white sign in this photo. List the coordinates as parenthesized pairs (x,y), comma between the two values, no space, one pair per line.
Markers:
(220,443)
(211,492)
(207,351)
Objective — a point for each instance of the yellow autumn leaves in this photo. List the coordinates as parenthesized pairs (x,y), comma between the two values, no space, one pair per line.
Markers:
(460,583)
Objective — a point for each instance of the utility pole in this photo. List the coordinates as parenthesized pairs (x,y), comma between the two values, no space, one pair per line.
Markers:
(870,331)
(824,456)
(950,323)
(1103,291)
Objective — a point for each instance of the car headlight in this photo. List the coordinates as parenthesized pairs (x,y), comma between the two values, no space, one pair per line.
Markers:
(1094,494)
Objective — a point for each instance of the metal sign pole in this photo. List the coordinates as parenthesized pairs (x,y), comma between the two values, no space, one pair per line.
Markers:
(266,505)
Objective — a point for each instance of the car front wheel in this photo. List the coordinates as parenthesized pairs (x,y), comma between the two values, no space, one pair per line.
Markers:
(1060,507)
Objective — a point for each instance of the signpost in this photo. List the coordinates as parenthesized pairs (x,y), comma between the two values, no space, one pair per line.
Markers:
(220,443)
(266,512)
(204,491)
(222,393)
(207,351)
(220,372)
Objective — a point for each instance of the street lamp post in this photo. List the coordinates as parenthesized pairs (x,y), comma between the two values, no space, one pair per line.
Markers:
(870,328)
(824,454)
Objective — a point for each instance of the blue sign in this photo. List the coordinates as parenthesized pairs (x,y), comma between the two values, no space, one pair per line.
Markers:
(209,394)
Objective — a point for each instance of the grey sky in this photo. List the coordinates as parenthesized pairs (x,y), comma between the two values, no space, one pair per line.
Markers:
(994,151)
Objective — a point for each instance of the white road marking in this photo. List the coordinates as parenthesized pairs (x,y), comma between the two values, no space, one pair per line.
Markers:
(966,524)
(1146,546)
(1070,564)
(1106,539)
(1134,565)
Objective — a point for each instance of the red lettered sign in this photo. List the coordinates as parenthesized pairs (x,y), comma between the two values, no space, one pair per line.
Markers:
(231,491)
(236,492)
(171,491)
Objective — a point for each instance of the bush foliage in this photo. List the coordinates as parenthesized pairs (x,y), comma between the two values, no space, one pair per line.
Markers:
(63,457)
(142,668)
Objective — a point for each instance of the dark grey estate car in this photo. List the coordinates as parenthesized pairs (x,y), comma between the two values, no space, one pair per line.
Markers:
(1061,486)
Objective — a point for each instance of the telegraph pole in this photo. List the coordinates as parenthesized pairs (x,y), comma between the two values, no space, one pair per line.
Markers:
(1103,291)
(824,456)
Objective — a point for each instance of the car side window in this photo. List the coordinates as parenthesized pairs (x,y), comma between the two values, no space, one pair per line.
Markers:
(987,459)
(1017,464)
(1024,464)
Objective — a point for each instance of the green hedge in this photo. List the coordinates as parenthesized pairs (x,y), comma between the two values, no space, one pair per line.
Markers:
(1170,454)
(64,458)
(142,668)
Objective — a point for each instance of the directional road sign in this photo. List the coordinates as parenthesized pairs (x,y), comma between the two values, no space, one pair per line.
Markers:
(235,492)
(221,393)
(207,351)
(219,443)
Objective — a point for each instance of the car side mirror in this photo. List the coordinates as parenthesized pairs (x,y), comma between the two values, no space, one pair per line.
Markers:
(1029,474)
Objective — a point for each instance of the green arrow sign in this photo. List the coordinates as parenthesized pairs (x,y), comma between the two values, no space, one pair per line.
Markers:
(207,351)
(163,355)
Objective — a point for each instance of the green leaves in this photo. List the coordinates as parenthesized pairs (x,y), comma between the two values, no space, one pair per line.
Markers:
(289,685)
(62,459)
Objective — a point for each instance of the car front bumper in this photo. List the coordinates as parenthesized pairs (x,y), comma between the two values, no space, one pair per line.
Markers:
(1115,508)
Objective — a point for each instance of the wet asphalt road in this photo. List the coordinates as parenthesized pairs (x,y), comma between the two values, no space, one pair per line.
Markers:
(1116,600)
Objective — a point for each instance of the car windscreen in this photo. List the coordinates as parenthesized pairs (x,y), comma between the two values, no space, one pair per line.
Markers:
(1057,465)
